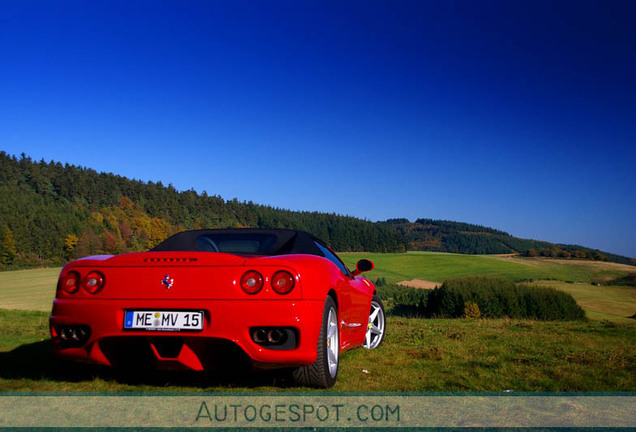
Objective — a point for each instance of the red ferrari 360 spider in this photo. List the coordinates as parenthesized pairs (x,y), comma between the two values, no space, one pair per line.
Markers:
(282,296)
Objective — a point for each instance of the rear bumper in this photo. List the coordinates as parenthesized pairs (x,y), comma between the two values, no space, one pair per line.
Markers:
(225,320)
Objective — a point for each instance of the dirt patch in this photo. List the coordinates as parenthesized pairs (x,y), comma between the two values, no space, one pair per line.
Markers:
(419,283)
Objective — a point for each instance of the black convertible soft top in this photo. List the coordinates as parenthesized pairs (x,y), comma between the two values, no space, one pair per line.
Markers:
(243,241)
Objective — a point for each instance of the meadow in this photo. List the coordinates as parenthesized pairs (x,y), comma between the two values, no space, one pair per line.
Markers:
(417,354)
(577,277)
(28,289)
(436,267)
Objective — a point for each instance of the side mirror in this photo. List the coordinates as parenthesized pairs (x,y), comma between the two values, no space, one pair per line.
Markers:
(364,265)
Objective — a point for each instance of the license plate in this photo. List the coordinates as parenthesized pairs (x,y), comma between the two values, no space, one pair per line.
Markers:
(163,320)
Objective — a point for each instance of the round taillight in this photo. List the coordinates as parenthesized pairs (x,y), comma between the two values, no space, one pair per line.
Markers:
(252,282)
(93,282)
(70,282)
(282,282)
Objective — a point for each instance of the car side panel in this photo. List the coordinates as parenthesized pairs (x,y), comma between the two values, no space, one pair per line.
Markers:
(361,293)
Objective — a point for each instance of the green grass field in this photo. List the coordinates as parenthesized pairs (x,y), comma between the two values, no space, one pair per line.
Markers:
(418,354)
(439,266)
(604,302)
(614,303)
(28,289)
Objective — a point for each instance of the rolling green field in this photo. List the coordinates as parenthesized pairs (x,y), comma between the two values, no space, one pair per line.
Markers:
(417,355)
(436,267)
(28,289)
(614,303)
(573,276)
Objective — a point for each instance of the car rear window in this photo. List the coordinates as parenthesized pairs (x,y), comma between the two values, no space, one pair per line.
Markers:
(242,241)
(237,243)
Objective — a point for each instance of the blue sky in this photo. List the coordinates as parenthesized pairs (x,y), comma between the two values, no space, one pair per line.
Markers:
(519,115)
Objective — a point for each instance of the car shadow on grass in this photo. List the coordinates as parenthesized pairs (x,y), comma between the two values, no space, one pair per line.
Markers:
(35,361)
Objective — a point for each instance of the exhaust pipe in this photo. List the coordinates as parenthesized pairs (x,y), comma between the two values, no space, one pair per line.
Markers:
(259,336)
(281,338)
(74,335)
(274,336)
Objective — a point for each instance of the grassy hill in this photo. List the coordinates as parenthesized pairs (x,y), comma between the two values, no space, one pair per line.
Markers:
(577,277)
(439,266)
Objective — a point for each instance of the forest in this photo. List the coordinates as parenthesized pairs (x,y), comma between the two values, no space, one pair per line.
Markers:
(464,238)
(52,212)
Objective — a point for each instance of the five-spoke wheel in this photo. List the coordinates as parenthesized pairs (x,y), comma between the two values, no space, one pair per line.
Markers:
(325,369)
(376,325)
(333,342)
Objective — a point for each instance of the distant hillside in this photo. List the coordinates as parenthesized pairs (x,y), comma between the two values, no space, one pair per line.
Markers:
(464,238)
(51,213)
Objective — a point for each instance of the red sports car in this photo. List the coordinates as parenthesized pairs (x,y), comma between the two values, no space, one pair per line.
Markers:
(282,296)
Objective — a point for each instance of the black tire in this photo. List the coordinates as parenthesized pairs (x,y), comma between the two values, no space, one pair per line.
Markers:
(321,373)
(376,327)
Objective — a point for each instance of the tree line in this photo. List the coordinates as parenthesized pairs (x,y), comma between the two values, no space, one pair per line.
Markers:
(463,238)
(50,213)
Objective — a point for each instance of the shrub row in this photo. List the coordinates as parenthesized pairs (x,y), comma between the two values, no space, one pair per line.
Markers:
(406,301)
(627,280)
(478,296)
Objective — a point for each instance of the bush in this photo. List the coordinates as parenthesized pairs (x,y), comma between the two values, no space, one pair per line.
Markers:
(495,297)
(407,301)
(471,310)
(411,301)
(388,291)
(549,304)
(627,280)
(492,298)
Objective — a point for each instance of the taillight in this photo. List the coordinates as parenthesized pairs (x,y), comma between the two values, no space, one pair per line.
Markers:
(70,282)
(252,282)
(93,282)
(282,282)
